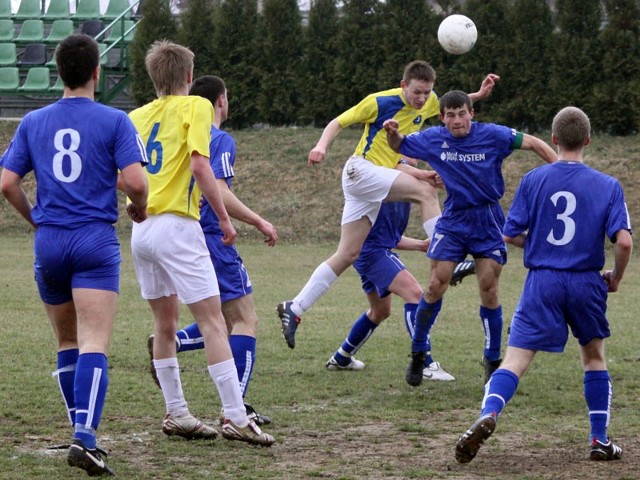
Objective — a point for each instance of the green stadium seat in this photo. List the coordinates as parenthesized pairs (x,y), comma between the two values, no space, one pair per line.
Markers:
(38,80)
(58,9)
(9,79)
(115,8)
(87,10)
(60,29)
(7,30)
(33,54)
(31,31)
(5,9)
(8,55)
(117,31)
(28,9)
(58,86)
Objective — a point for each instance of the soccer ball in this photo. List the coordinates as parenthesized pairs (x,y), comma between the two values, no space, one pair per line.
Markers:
(457,34)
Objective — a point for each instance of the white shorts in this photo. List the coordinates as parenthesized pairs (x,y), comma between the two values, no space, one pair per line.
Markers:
(170,256)
(365,186)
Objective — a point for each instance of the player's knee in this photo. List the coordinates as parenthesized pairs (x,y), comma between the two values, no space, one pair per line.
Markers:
(378,315)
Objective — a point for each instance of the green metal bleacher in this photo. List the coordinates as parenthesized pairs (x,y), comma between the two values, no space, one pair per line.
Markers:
(30,25)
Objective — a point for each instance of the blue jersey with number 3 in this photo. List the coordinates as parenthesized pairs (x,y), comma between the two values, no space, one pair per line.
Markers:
(75,148)
(568,209)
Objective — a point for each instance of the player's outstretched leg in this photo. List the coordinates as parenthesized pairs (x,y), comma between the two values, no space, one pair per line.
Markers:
(470,442)
(289,322)
(463,269)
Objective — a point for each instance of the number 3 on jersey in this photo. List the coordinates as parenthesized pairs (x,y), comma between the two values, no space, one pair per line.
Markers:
(153,145)
(564,217)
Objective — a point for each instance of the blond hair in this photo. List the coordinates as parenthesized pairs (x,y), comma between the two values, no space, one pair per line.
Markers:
(572,128)
(168,64)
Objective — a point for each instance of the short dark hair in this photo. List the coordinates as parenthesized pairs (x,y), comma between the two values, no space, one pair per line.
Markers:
(455,99)
(77,56)
(209,87)
(419,70)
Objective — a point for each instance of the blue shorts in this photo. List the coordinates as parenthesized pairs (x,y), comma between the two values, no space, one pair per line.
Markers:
(475,231)
(84,257)
(377,269)
(553,301)
(233,278)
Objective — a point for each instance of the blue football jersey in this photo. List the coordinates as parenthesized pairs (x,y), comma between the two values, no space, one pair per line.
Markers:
(471,166)
(568,209)
(75,147)
(390,225)
(222,150)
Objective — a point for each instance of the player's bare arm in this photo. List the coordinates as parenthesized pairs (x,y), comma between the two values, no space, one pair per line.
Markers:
(485,88)
(394,137)
(239,211)
(539,147)
(11,184)
(203,175)
(134,184)
(516,241)
(413,244)
(623,248)
(329,133)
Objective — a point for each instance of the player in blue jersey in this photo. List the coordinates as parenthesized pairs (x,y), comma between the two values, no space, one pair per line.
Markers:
(370,177)
(382,273)
(561,215)
(233,280)
(75,147)
(468,157)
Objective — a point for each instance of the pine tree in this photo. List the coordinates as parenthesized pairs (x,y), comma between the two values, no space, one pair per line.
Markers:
(236,54)
(616,96)
(318,88)
(280,57)
(157,23)
(196,32)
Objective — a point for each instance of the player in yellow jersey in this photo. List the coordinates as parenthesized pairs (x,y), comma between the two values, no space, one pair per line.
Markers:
(374,175)
(169,250)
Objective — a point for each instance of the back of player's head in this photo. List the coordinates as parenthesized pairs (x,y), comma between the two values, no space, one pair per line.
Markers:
(571,128)
(419,70)
(168,64)
(455,99)
(209,87)
(77,56)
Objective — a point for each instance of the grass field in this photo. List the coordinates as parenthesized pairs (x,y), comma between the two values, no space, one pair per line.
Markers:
(331,425)
(335,425)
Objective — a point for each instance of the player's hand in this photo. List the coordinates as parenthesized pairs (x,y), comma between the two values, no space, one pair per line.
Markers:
(269,231)
(316,155)
(611,281)
(487,85)
(137,214)
(391,125)
(424,245)
(229,233)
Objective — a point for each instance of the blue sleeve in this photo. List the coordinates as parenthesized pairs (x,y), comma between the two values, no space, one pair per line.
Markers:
(129,147)
(518,216)
(505,139)
(17,158)
(415,145)
(223,156)
(618,218)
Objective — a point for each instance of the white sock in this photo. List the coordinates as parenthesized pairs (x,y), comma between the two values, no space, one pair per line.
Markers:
(225,376)
(168,373)
(320,281)
(430,225)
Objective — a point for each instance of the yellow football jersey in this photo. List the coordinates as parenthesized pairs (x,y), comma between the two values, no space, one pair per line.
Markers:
(373,110)
(172,128)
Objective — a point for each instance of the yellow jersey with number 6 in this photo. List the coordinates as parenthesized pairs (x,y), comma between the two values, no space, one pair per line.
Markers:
(173,128)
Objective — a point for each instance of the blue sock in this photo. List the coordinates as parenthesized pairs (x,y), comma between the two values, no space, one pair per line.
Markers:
(243,348)
(492,325)
(426,316)
(190,338)
(66,374)
(498,391)
(360,332)
(410,321)
(598,392)
(90,391)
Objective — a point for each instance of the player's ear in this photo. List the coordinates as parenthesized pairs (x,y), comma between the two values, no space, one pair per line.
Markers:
(587,141)
(554,140)
(403,84)
(96,74)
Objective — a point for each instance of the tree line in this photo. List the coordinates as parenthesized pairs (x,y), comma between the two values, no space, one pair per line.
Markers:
(282,70)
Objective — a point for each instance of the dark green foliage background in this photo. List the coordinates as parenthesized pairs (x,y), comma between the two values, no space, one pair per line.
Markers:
(282,69)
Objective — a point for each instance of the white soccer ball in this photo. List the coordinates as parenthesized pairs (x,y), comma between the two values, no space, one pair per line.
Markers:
(457,34)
